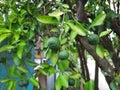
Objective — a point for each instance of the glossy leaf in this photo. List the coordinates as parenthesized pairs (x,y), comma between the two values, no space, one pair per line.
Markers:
(98,20)
(63,65)
(13,73)
(65,5)
(23,69)
(66,27)
(77,27)
(4,80)
(20,51)
(73,34)
(11,85)
(113,86)
(56,13)
(62,80)
(17,34)
(47,19)
(52,70)
(63,41)
(42,71)
(4,30)
(58,84)
(34,81)
(100,51)
(4,36)
(75,75)
(17,60)
(6,47)
(32,63)
(53,57)
(104,33)
(89,85)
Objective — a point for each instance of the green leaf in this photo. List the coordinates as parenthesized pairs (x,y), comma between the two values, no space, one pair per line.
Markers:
(98,20)
(104,33)
(58,84)
(4,80)
(77,27)
(20,51)
(56,13)
(65,5)
(75,75)
(17,60)
(113,86)
(22,43)
(23,69)
(66,27)
(11,85)
(6,47)
(45,42)
(53,57)
(17,34)
(34,81)
(4,30)
(73,34)
(47,19)
(100,51)
(47,69)
(32,63)
(31,34)
(4,36)
(51,70)
(63,41)
(62,80)
(28,8)
(63,65)
(13,73)
(42,71)
(89,85)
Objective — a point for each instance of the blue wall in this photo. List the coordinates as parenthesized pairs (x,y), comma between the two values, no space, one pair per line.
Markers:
(9,62)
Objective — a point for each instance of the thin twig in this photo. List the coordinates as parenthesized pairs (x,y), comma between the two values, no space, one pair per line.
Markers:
(96,76)
(114,6)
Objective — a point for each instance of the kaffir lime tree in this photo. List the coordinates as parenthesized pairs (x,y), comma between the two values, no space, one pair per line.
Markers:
(70,31)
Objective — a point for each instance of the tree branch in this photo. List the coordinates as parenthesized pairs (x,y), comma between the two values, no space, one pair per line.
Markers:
(96,77)
(102,63)
(106,42)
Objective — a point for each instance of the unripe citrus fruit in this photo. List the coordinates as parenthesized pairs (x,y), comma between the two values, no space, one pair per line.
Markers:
(23,83)
(54,43)
(71,82)
(93,39)
(63,55)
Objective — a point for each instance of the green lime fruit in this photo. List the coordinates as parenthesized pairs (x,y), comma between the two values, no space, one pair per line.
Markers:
(2,60)
(63,55)
(23,83)
(93,39)
(54,43)
(20,83)
(71,82)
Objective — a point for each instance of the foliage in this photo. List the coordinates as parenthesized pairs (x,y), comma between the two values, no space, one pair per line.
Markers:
(22,20)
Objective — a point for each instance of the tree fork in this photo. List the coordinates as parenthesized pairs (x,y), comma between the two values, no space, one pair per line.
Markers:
(81,61)
(103,64)
(85,65)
